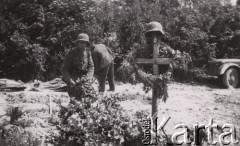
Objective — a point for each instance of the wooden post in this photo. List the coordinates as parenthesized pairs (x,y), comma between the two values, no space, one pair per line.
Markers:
(155,56)
(155,61)
(155,92)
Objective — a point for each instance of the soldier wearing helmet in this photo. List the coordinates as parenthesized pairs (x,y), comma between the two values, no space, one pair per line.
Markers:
(78,63)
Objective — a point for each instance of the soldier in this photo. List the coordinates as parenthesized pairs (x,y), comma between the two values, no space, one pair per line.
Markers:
(104,66)
(78,64)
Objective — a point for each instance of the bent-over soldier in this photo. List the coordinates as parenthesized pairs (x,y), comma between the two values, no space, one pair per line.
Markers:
(104,66)
(78,64)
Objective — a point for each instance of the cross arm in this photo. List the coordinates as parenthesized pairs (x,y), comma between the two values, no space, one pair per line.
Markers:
(149,78)
(160,61)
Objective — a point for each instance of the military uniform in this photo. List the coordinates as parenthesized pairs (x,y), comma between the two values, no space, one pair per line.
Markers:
(104,66)
(77,65)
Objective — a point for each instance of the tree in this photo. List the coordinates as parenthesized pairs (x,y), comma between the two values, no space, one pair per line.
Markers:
(223,33)
(35,35)
(22,55)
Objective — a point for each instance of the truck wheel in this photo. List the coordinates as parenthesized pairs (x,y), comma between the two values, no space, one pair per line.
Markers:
(231,78)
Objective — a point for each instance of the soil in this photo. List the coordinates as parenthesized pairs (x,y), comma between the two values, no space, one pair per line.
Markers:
(187,104)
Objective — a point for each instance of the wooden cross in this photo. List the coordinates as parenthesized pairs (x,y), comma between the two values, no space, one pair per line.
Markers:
(155,61)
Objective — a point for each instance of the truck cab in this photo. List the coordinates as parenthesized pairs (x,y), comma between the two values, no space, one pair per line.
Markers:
(227,70)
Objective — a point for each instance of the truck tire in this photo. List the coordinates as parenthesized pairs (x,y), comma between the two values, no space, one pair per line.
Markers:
(231,78)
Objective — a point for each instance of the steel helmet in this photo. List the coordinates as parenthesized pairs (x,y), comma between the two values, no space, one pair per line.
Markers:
(154,27)
(83,37)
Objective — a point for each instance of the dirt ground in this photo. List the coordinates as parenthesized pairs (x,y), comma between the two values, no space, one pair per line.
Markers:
(187,104)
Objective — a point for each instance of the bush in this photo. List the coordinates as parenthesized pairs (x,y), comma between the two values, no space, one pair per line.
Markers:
(102,121)
(224,33)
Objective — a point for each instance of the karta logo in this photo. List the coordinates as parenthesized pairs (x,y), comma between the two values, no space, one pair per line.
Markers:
(151,129)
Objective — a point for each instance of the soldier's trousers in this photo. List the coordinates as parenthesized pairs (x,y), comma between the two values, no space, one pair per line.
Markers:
(106,73)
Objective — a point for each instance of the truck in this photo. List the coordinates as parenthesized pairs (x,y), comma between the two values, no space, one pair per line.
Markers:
(226,70)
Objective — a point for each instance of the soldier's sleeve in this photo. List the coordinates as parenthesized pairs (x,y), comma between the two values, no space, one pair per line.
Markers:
(65,68)
(96,60)
(90,66)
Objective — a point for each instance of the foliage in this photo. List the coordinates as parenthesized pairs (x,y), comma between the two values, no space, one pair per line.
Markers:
(83,89)
(102,121)
(35,35)
(126,72)
(223,33)
(17,136)
(181,66)
(22,55)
